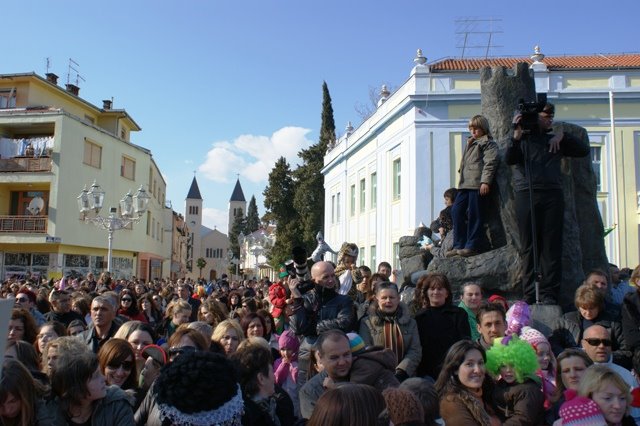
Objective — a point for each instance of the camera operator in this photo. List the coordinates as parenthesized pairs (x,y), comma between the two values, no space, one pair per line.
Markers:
(535,149)
(318,310)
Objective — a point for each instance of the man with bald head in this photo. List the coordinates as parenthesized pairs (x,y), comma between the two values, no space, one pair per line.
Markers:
(317,310)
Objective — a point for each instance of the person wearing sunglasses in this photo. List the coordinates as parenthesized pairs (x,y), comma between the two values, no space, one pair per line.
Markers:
(26,299)
(129,307)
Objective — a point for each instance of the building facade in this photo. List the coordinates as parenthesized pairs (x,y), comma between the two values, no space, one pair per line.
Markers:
(388,175)
(52,142)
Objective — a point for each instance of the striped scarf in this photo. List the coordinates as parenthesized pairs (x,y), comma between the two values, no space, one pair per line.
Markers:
(393,335)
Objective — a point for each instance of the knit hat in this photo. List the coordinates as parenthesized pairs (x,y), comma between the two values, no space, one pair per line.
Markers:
(496,298)
(580,411)
(518,316)
(533,336)
(282,271)
(356,343)
(403,406)
(288,340)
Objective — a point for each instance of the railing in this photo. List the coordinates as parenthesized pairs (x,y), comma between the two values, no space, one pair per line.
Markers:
(24,224)
(25,164)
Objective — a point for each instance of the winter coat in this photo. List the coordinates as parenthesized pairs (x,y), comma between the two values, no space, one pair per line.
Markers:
(321,309)
(568,332)
(545,166)
(519,403)
(375,367)
(631,320)
(310,392)
(457,409)
(479,163)
(439,328)
(114,409)
(372,332)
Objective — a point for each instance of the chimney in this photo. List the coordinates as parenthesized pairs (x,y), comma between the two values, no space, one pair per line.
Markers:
(52,78)
(106,104)
(73,89)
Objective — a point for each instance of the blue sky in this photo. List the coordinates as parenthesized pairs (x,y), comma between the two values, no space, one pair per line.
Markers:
(226,87)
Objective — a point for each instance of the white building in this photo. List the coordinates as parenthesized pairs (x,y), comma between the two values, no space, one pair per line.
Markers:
(386,176)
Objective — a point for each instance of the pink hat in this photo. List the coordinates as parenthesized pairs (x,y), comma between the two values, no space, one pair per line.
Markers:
(533,336)
(580,411)
(518,316)
(288,340)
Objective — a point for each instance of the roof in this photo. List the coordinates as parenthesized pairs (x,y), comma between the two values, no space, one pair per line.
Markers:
(585,62)
(237,194)
(194,191)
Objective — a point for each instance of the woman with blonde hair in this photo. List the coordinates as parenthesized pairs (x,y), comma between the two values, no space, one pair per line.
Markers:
(610,392)
(229,334)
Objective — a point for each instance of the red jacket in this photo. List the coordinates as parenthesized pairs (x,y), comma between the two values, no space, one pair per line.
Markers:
(278,298)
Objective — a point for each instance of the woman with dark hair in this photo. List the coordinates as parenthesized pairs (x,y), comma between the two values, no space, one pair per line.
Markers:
(48,331)
(253,325)
(26,354)
(139,335)
(22,326)
(198,388)
(263,405)
(186,340)
(234,300)
(128,307)
(117,364)
(572,364)
(465,387)
(147,308)
(270,330)
(82,396)
(351,404)
(212,312)
(21,402)
(440,324)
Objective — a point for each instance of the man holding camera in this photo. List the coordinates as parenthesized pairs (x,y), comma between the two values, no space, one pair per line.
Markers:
(316,310)
(535,154)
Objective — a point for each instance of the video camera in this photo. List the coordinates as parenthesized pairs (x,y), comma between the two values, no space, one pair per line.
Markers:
(298,268)
(529,112)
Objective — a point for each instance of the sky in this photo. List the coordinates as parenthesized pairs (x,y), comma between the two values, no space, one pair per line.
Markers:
(225,88)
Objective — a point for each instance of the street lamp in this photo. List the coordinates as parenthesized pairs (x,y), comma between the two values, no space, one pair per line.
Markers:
(132,207)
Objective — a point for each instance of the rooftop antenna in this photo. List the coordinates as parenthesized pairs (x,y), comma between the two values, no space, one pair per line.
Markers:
(72,68)
(473,33)
(48,64)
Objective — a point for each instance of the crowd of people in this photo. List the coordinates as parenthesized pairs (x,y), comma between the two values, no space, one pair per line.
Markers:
(124,352)
(329,344)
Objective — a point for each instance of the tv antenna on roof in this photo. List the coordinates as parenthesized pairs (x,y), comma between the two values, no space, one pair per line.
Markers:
(477,33)
(48,64)
(72,68)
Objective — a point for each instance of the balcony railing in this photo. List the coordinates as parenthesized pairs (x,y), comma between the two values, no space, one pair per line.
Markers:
(23,224)
(25,164)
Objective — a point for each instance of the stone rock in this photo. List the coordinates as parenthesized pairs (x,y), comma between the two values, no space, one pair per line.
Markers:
(410,251)
(409,241)
(412,264)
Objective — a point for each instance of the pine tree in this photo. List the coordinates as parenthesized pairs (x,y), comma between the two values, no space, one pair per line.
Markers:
(309,196)
(253,219)
(239,225)
(278,196)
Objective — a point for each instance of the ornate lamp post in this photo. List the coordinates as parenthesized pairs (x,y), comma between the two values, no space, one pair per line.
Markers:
(132,207)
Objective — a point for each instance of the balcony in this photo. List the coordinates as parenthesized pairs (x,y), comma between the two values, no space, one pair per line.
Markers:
(23,224)
(25,164)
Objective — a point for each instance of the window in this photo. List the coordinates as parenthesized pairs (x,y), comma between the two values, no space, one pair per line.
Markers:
(153,228)
(361,256)
(374,190)
(209,253)
(193,210)
(128,168)
(333,209)
(338,207)
(8,98)
(396,179)
(353,200)
(372,254)
(148,222)
(363,195)
(396,255)
(92,154)
(596,163)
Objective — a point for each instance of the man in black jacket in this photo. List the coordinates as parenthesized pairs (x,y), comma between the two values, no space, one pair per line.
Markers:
(543,151)
(318,310)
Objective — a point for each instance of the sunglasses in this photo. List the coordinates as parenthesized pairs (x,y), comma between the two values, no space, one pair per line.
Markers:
(126,365)
(598,342)
(126,299)
(22,299)
(174,352)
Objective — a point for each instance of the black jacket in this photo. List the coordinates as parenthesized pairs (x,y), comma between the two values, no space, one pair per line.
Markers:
(439,328)
(631,320)
(321,309)
(545,166)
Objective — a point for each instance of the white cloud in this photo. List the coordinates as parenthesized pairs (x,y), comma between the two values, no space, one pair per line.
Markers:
(253,156)
(215,219)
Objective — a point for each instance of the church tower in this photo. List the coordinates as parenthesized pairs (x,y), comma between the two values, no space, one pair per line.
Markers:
(193,219)
(236,203)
